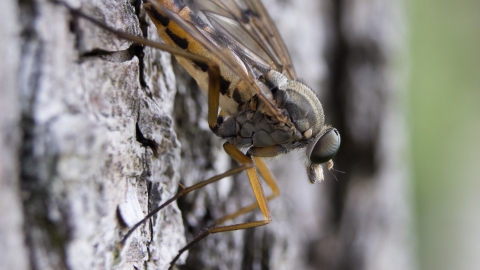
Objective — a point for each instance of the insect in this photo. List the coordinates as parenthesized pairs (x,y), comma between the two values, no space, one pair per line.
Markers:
(254,100)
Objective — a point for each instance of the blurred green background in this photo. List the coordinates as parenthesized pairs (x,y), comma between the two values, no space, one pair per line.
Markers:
(444,96)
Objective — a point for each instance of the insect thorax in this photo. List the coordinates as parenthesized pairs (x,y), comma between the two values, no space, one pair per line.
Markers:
(252,127)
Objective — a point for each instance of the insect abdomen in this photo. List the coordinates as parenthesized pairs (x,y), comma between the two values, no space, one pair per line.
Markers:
(233,90)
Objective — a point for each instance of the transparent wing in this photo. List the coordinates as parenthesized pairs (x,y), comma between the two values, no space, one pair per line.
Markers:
(249,25)
(226,50)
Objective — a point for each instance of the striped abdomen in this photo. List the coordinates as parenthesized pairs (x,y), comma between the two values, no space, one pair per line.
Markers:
(232,89)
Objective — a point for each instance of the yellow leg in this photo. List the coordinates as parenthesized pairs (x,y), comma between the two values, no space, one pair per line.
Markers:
(271,182)
(247,163)
(181,193)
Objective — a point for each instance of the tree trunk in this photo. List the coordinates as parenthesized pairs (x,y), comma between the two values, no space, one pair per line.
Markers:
(95,146)
(97,131)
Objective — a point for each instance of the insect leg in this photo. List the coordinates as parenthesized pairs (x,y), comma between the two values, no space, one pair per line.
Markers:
(185,191)
(174,31)
(247,163)
(271,182)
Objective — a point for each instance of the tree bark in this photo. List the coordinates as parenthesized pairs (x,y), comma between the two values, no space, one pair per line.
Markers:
(89,119)
(13,251)
(97,131)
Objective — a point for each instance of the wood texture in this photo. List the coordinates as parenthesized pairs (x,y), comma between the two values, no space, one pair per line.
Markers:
(83,170)
(74,169)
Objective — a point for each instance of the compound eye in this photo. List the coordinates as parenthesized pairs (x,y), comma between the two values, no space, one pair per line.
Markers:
(326,147)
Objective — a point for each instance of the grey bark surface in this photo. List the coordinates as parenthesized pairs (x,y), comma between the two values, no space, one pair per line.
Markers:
(83,169)
(75,173)
(13,252)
